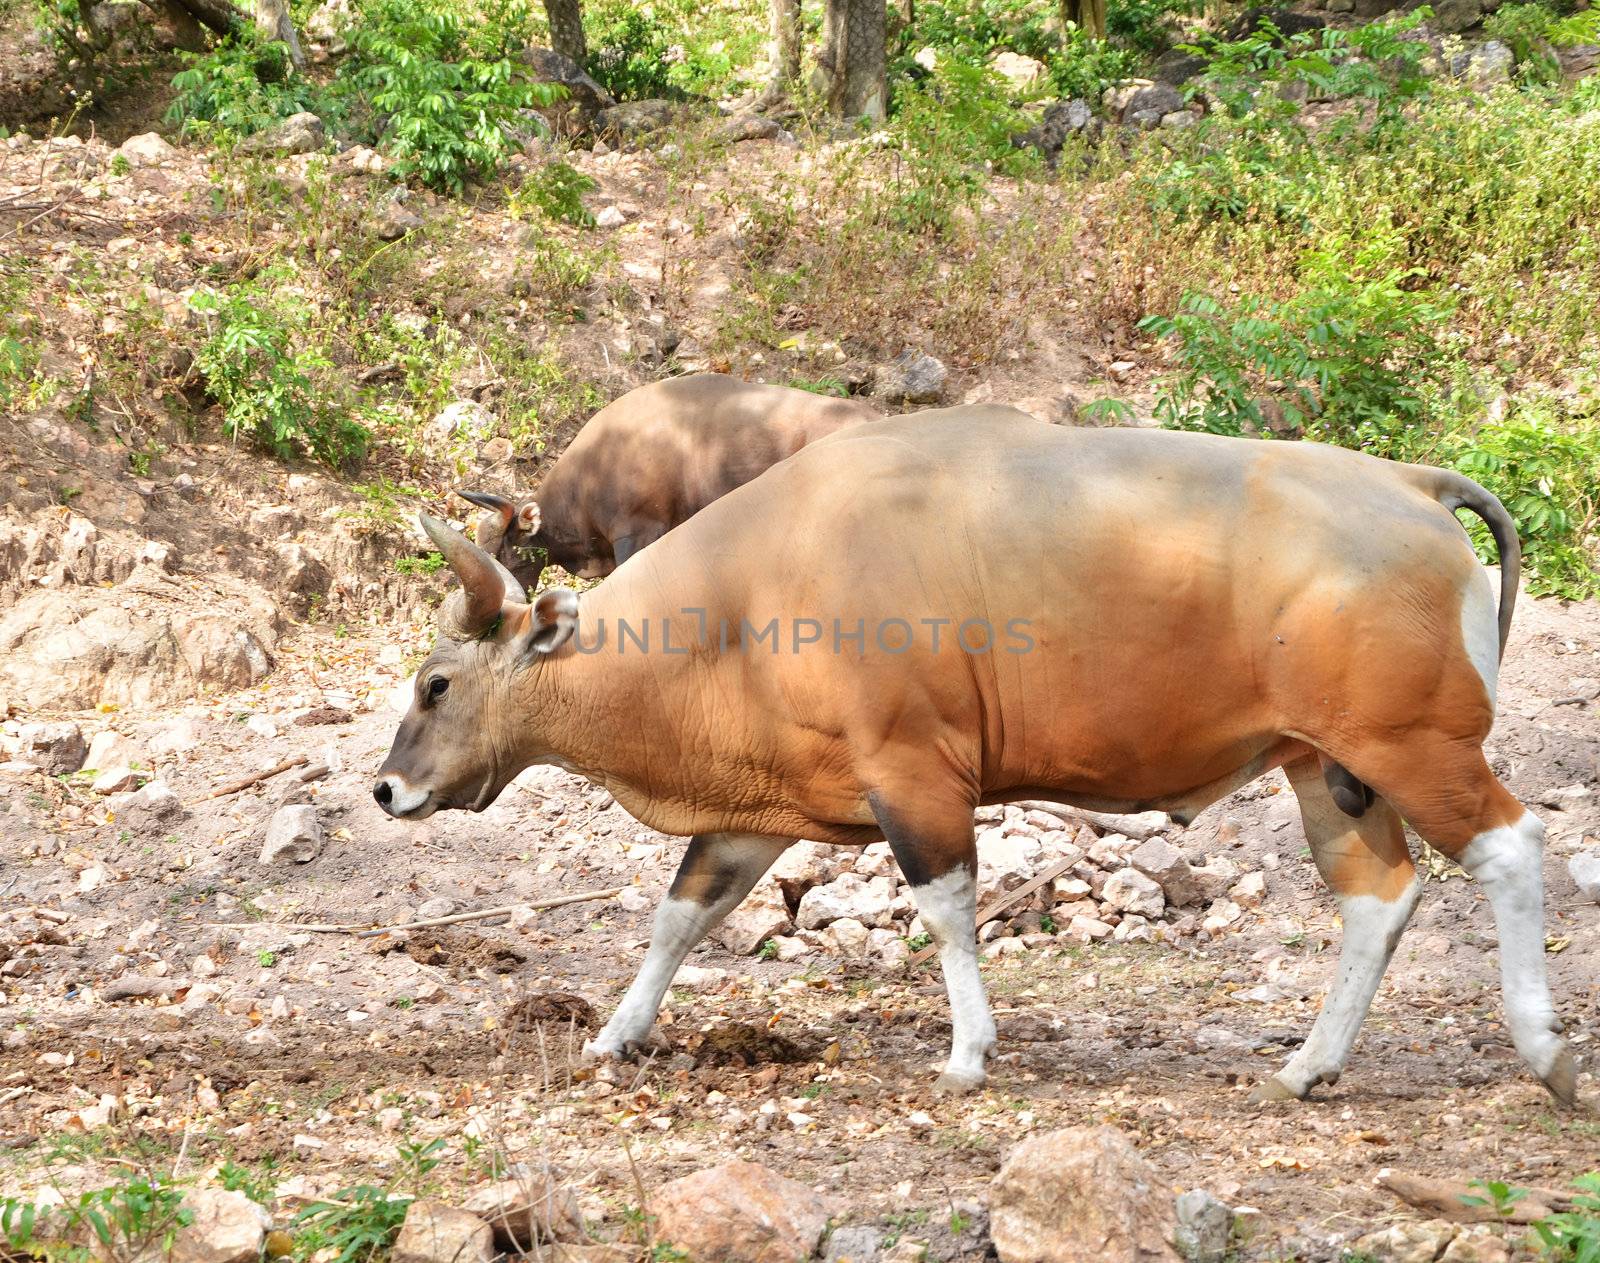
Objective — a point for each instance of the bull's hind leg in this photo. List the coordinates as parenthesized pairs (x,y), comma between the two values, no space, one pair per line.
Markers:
(1367,865)
(938,854)
(1447,793)
(1477,823)
(1508,862)
(717,872)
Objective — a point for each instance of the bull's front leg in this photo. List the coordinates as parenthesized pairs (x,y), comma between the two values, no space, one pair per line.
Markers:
(938,854)
(717,872)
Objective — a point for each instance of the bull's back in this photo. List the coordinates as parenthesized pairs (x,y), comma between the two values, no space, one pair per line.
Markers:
(1144,611)
(666,450)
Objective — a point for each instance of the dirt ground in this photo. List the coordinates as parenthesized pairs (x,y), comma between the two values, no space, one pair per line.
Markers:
(312,1056)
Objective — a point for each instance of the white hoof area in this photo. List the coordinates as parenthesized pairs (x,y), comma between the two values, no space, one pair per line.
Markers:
(1273,1089)
(595,1052)
(959,1083)
(1562,1077)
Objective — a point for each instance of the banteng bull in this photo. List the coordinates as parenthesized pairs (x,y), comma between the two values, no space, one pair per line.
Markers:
(646,462)
(1167,617)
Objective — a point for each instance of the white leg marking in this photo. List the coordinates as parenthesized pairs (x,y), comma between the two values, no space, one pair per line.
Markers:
(1372,928)
(949,908)
(1508,863)
(679,925)
(1480,630)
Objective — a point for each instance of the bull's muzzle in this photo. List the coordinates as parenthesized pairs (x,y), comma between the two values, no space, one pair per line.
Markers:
(400,800)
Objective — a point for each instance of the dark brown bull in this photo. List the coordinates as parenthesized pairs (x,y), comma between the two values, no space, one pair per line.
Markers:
(648,461)
(917,616)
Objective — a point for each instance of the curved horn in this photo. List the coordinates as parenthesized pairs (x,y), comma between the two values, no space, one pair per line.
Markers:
(485,583)
(495,504)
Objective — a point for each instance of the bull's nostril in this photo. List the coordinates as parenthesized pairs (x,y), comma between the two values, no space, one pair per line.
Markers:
(383,794)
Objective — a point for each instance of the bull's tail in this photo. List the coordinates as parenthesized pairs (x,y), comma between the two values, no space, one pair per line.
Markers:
(1457,491)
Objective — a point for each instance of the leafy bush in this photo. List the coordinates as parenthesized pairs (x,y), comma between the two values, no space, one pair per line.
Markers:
(1532,31)
(972,31)
(358,1224)
(1085,67)
(244,85)
(557,190)
(673,48)
(1574,1236)
(950,130)
(451,96)
(253,368)
(1548,476)
(1348,358)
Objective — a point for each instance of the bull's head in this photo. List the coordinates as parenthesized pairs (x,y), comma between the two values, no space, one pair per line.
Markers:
(509,532)
(461,742)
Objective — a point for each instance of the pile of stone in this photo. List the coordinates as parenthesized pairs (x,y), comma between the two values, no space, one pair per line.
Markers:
(834,900)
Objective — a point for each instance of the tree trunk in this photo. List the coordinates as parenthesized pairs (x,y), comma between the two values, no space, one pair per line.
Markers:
(785,45)
(853,58)
(1088,16)
(272,16)
(566,29)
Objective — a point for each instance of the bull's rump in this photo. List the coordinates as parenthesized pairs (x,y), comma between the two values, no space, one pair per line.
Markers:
(1154,610)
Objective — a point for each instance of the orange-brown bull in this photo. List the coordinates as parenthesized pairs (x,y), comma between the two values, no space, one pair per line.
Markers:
(651,459)
(970,607)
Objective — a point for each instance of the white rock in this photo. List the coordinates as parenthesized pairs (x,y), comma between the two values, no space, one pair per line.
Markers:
(1221,914)
(146,150)
(763,914)
(180,738)
(876,860)
(1087,928)
(262,726)
(1019,71)
(1216,876)
(867,900)
(1005,861)
(847,936)
(111,749)
(1249,891)
(57,748)
(1584,868)
(1010,946)
(695,978)
(610,217)
(227,1228)
(1129,890)
(294,833)
(1165,865)
(116,780)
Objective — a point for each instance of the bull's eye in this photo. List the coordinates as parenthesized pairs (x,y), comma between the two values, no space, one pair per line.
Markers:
(437,687)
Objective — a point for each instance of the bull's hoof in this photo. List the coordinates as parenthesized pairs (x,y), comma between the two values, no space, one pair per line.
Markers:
(1273,1089)
(958,1083)
(596,1051)
(1562,1078)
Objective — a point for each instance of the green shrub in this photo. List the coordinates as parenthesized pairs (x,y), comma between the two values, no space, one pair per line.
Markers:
(451,96)
(1545,467)
(1349,358)
(673,48)
(557,190)
(950,131)
(255,370)
(1534,31)
(244,85)
(1574,1236)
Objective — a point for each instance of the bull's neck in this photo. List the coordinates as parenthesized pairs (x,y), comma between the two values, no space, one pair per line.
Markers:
(606,710)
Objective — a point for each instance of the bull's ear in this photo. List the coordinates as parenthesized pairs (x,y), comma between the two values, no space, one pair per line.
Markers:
(554,620)
(528,517)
